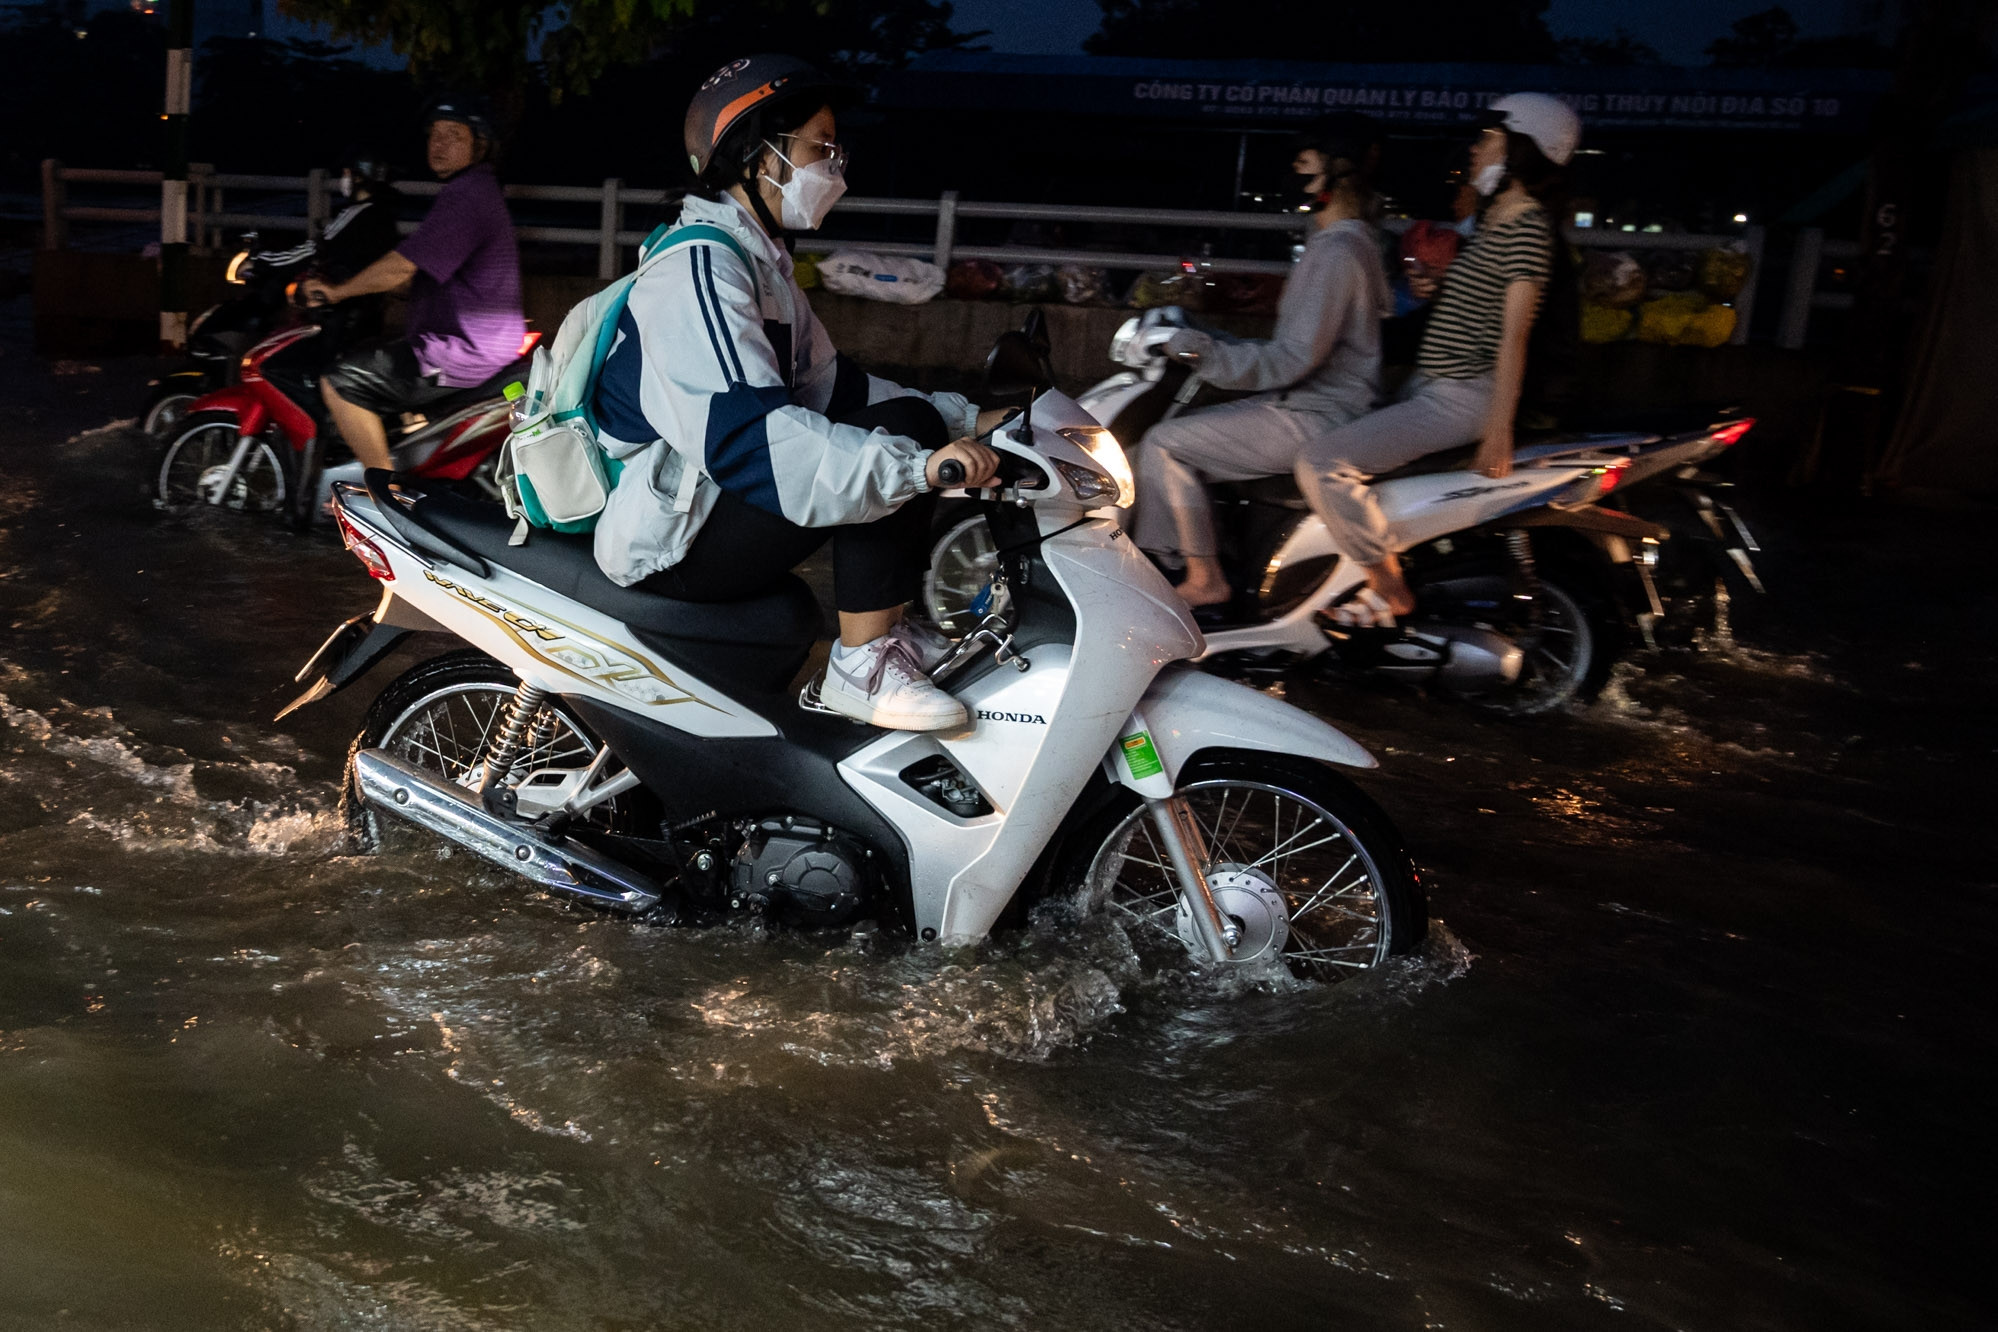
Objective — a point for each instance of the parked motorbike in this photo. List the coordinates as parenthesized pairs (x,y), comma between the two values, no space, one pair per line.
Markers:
(219,335)
(655,757)
(1527,586)
(260,445)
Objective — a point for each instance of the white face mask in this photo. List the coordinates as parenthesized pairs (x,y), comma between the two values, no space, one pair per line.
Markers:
(810,193)
(1486,182)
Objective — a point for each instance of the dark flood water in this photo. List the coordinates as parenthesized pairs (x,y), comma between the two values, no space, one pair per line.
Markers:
(1701,1039)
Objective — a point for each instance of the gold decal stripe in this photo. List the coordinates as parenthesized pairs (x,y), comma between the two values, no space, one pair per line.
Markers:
(514,624)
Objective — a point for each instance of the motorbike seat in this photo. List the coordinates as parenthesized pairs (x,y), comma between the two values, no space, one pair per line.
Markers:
(786,619)
(1281,492)
(477,394)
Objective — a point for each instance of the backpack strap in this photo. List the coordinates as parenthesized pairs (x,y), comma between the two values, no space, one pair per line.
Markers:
(664,238)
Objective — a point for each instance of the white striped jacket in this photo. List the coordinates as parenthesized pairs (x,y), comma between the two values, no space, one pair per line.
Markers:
(722,378)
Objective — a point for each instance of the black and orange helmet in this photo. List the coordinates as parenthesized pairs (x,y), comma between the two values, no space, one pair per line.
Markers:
(755,83)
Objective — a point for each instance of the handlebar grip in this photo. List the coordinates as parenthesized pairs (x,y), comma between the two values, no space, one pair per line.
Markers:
(950,472)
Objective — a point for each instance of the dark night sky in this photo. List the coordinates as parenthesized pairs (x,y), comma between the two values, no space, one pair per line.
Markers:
(1679,29)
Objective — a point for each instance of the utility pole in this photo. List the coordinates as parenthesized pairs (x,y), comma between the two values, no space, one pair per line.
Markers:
(173,183)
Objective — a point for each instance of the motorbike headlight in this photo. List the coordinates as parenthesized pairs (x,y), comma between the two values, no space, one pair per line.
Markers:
(235,272)
(1108,455)
(1087,482)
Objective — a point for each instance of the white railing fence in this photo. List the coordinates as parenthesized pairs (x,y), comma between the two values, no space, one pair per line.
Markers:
(211,218)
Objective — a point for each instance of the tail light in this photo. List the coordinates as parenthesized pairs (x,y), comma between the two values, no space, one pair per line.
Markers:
(528,342)
(1593,484)
(366,551)
(1730,434)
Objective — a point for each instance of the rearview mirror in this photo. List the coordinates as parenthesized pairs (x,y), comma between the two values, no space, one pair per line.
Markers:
(1035,330)
(1016,366)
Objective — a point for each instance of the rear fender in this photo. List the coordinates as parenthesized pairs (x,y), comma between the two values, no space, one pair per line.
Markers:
(356,648)
(1186,713)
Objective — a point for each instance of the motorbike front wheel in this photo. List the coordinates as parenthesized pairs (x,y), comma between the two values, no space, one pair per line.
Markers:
(963,559)
(1309,869)
(193,469)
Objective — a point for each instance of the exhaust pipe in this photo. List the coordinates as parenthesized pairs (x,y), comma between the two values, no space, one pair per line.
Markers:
(570,868)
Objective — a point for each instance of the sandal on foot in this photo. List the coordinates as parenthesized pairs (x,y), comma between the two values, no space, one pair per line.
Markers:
(1365,609)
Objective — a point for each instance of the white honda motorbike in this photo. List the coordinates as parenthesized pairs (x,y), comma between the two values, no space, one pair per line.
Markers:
(656,757)
(1525,583)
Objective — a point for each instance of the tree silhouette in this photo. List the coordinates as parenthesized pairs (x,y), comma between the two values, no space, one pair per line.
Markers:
(496,44)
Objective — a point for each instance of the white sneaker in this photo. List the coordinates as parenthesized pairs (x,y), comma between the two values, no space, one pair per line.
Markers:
(930,646)
(883,684)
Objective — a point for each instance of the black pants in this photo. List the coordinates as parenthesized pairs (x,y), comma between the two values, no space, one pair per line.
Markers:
(742,551)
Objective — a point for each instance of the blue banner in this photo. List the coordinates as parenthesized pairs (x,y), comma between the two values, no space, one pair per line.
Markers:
(1256,94)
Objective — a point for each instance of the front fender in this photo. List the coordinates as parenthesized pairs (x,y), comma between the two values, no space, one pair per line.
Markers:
(240,402)
(1187,711)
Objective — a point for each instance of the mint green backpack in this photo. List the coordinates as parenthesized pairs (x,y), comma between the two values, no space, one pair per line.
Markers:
(552,473)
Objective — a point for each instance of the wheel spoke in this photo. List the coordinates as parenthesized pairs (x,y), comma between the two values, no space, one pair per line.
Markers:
(1330,887)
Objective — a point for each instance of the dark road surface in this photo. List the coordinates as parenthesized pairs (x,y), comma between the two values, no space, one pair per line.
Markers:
(1702,1039)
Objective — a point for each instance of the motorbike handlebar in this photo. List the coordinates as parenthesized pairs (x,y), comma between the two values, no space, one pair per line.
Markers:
(1014,471)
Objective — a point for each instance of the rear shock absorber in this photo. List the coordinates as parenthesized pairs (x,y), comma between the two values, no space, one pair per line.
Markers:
(1528,574)
(506,747)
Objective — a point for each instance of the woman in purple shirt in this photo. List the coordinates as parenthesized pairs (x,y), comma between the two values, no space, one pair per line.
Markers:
(462,269)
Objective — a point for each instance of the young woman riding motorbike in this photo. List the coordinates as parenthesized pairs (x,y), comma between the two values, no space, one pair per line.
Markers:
(1472,362)
(719,351)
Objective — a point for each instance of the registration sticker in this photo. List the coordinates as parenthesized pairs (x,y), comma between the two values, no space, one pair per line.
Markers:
(1140,756)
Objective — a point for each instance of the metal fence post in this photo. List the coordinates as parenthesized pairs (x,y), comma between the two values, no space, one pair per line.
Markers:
(1744,304)
(201,192)
(946,228)
(610,221)
(1802,286)
(173,177)
(55,231)
(315,202)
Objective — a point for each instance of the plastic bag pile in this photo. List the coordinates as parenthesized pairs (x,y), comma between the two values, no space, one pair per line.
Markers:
(1677,297)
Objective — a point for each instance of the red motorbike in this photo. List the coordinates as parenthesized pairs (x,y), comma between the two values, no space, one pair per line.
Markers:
(260,445)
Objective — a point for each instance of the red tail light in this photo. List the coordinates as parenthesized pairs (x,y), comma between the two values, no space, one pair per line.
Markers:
(366,551)
(1731,433)
(1611,476)
(528,342)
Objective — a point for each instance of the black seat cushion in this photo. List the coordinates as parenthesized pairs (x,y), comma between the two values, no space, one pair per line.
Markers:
(440,408)
(787,617)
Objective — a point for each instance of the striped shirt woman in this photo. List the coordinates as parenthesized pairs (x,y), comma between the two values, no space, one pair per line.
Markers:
(1472,362)
(1462,340)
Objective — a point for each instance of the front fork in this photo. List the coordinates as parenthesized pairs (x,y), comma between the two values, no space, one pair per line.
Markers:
(227,481)
(1136,764)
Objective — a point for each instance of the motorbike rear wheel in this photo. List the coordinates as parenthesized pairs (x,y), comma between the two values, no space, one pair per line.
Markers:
(1308,866)
(1568,657)
(439,715)
(168,409)
(192,468)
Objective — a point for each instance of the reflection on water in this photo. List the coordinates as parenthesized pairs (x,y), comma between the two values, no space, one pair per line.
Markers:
(1649,1064)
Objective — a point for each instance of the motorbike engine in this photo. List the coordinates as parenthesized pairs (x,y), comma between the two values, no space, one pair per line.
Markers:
(800,870)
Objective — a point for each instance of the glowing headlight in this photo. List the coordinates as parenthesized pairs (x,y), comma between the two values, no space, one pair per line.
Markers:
(236,268)
(1104,450)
